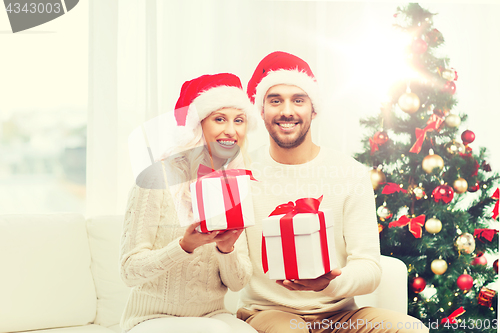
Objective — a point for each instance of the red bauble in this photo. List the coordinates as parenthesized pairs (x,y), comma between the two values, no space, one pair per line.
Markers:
(465,282)
(474,188)
(449,87)
(480,259)
(418,46)
(380,137)
(418,285)
(468,137)
(495,266)
(443,193)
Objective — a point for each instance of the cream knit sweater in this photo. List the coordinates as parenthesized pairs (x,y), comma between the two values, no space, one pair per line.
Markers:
(347,190)
(166,280)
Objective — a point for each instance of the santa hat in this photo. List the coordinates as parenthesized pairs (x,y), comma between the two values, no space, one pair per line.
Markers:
(282,68)
(208,93)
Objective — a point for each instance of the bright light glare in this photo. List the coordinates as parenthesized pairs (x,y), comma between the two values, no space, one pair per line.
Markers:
(377,59)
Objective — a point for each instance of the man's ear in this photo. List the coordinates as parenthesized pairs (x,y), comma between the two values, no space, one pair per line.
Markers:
(313,114)
(262,113)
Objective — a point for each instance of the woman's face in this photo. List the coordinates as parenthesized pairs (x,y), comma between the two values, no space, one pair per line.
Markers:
(224,131)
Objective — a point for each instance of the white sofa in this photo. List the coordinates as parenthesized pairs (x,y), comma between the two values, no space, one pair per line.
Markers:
(59,273)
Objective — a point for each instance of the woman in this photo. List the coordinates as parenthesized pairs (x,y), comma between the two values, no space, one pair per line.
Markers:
(180,276)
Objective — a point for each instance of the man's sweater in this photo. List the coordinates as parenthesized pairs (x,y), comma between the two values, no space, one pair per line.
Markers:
(347,190)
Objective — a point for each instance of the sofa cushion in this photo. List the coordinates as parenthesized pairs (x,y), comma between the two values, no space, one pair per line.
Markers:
(112,294)
(77,329)
(46,279)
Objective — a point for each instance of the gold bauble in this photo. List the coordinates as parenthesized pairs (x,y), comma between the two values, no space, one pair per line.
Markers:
(377,177)
(430,162)
(448,74)
(452,120)
(466,243)
(453,147)
(460,185)
(409,102)
(433,225)
(439,266)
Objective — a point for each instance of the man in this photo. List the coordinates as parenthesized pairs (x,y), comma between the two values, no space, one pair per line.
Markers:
(285,92)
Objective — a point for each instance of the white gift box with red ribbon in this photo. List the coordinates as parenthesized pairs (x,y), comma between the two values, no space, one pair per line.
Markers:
(222,202)
(308,261)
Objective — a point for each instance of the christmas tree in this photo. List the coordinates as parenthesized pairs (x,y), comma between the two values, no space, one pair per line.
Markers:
(434,193)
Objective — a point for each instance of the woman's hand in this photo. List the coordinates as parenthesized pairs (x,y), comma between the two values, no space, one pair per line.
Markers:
(225,240)
(193,239)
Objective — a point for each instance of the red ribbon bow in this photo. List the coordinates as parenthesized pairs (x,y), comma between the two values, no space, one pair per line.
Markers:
(433,124)
(232,202)
(451,318)
(415,223)
(390,188)
(373,146)
(487,234)
(496,196)
(304,205)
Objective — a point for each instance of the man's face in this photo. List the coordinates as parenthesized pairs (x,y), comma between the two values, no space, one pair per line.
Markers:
(287,114)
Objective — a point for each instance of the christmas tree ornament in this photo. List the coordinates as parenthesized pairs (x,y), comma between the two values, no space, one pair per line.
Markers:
(384,213)
(439,266)
(485,297)
(377,177)
(453,148)
(433,225)
(480,259)
(432,161)
(418,46)
(496,209)
(485,166)
(466,243)
(441,112)
(390,188)
(443,193)
(434,37)
(449,87)
(474,187)
(460,185)
(414,224)
(449,74)
(418,285)
(465,282)
(452,120)
(380,228)
(485,234)
(409,102)
(380,137)
(468,137)
(495,266)
(417,191)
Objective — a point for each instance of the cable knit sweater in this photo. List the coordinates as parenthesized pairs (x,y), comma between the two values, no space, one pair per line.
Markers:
(347,190)
(166,280)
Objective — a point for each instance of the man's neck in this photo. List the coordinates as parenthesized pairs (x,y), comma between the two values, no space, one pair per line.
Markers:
(301,154)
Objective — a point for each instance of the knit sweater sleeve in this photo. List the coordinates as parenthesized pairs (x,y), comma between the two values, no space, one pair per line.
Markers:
(235,267)
(148,208)
(362,272)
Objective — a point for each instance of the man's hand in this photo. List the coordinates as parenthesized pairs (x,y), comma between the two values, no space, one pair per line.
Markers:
(317,284)
(225,241)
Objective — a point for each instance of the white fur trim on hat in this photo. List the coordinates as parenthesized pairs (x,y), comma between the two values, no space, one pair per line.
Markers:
(288,77)
(223,97)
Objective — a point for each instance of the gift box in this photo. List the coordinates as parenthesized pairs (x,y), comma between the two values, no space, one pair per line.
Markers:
(222,200)
(298,241)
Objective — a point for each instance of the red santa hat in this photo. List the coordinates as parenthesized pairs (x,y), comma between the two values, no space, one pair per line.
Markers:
(282,68)
(208,93)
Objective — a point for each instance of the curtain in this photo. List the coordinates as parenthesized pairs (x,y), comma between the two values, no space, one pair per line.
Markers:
(142,51)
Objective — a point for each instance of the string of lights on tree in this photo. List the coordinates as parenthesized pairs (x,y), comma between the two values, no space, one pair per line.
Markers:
(436,194)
